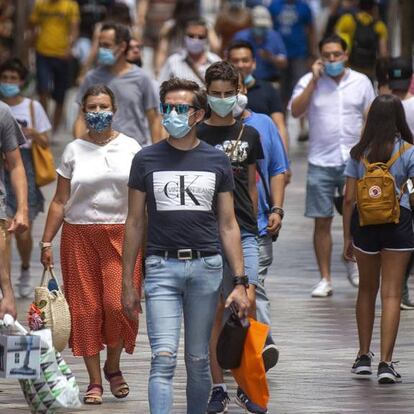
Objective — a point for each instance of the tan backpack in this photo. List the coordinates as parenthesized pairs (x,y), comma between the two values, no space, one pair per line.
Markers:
(377,199)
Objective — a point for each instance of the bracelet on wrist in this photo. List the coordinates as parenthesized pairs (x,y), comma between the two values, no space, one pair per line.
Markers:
(44,245)
(278,210)
(241,280)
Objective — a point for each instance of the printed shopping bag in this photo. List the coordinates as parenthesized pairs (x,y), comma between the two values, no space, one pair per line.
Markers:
(251,374)
(56,388)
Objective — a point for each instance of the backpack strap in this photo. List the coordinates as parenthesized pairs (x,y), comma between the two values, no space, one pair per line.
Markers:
(398,154)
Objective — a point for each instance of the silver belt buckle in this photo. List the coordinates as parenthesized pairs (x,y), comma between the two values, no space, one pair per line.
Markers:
(184,254)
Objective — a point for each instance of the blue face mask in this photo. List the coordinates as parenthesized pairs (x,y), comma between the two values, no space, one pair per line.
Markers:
(248,79)
(176,124)
(222,106)
(334,69)
(99,121)
(260,32)
(106,57)
(9,90)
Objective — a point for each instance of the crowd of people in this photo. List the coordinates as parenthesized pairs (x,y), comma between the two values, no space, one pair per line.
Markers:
(200,143)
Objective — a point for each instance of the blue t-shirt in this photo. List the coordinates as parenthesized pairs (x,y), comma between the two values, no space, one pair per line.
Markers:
(273,43)
(275,162)
(402,170)
(181,189)
(291,20)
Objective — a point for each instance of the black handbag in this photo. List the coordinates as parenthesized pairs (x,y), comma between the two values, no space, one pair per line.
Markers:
(231,341)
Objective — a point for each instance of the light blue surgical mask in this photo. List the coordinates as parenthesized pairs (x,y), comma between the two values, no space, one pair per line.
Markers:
(99,121)
(106,57)
(334,69)
(8,90)
(248,79)
(176,124)
(222,106)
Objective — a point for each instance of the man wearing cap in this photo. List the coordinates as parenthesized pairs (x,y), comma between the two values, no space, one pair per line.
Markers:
(400,72)
(269,49)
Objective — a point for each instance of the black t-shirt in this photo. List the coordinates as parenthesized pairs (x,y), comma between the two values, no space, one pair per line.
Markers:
(249,149)
(181,188)
(264,98)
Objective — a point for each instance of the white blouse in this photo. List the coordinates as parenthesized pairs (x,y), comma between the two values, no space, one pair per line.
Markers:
(98,180)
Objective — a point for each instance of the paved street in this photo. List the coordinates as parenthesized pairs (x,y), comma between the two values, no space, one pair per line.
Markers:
(316,337)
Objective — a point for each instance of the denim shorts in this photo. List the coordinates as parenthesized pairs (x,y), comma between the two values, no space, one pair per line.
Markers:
(251,263)
(320,189)
(52,75)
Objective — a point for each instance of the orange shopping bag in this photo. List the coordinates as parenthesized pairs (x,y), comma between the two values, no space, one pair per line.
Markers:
(251,374)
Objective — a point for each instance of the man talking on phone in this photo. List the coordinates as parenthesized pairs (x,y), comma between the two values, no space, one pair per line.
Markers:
(335,98)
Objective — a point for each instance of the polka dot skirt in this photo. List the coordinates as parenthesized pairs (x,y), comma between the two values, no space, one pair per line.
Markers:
(92,277)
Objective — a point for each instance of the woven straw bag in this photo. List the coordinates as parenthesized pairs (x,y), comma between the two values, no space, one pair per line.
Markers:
(55,310)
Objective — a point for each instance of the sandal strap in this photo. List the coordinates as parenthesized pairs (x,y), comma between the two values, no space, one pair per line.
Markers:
(92,387)
(109,376)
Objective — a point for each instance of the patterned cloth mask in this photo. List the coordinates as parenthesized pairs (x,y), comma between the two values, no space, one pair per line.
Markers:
(99,121)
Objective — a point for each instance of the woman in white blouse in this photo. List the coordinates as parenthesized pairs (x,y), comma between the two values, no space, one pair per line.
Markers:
(91,202)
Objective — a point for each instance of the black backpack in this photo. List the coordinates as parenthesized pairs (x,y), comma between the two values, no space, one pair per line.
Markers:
(364,45)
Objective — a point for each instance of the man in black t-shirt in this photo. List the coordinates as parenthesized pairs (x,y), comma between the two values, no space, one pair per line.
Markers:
(241,143)
(263,97)
(186,187)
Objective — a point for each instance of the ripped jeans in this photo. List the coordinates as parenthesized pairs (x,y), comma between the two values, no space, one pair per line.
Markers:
(174,288)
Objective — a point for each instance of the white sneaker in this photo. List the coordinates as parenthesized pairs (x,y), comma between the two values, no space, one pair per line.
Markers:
(322,289)
(352,273)
(25,287)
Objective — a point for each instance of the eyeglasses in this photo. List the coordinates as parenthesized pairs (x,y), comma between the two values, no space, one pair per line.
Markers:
(195,36)
(181,109)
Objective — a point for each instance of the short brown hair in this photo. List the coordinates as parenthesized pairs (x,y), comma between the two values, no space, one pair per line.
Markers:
(96,90)
(177,84)
(223,71)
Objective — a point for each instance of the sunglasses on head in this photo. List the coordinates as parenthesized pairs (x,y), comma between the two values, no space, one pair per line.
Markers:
(179,108)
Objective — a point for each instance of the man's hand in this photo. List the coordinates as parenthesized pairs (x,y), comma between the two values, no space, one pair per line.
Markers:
(317,69)
(265,54)
(19,223)
(274,224)
(8,306)
(239,297)
(131,302)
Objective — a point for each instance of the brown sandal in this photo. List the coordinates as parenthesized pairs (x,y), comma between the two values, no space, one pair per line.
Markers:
(119,388)
(93,394)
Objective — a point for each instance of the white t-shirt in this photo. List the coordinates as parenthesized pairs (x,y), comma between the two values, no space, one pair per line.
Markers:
(21,113)
(98,180)
(408,105)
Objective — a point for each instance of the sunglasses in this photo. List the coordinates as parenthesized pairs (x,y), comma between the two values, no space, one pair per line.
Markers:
(181,109)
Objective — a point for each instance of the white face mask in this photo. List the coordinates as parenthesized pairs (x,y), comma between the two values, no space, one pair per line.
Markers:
(240,105)
(195,46)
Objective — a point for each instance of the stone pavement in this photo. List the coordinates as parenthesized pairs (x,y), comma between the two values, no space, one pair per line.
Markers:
(316,337)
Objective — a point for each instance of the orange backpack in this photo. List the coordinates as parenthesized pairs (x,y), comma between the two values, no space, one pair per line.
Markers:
(377,199)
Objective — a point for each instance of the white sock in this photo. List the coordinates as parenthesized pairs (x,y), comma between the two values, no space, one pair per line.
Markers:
(224,386)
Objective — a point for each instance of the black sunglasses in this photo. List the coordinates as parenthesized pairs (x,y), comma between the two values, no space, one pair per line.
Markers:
(179,108)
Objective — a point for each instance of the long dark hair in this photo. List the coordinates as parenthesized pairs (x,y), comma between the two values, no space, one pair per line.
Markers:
(385,121)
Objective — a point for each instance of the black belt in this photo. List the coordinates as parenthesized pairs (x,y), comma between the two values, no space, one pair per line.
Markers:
(182,254)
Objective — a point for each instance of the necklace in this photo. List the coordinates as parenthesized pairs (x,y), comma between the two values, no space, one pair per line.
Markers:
(105,141)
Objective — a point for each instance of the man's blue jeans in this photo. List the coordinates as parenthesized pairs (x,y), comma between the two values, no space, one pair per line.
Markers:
(174,288)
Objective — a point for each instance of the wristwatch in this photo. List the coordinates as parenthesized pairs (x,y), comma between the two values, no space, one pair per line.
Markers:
(278,210)
(43,244)
(241,280)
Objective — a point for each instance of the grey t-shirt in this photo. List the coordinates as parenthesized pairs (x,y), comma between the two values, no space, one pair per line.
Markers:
(134,94)
(11,137)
